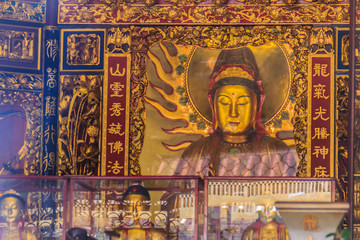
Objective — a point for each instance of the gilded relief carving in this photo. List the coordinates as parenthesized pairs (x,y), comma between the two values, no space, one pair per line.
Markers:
(23,11)
(27,160)
(17,45)
(357,126)
(4,44)
(82,1)
(326,1)
(189,2)
(356,202)
(342,132)
(345,50)
(342,98)
(257,1)
(17,81)
(215,14)
(357,152)
(322,40)
(79,125)
(83,49)
(118,40)
(27,107)
(116,2)
(220,37)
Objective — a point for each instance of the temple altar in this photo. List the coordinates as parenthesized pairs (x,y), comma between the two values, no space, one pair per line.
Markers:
(178,119)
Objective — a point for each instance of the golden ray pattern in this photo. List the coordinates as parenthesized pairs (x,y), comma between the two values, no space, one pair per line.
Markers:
(174,78)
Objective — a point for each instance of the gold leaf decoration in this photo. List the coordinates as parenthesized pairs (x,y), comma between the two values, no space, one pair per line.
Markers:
(218,37)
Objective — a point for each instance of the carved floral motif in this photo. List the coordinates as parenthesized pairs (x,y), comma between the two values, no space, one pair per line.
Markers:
(20,81)
(23,10)
(79,125)
(203,14)
(342,139)
(342,98)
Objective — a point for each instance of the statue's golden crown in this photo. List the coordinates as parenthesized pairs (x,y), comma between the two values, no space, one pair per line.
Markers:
(11,192)
(234,72)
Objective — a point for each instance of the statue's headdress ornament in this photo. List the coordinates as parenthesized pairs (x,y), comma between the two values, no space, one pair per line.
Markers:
(137,189)
(233,72)
(13,193)
(237,67)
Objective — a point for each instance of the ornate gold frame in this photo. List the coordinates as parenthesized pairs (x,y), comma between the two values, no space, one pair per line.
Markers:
(217,37)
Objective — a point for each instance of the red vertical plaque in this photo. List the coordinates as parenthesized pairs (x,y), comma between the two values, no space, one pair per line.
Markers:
(321,116)
(116,89)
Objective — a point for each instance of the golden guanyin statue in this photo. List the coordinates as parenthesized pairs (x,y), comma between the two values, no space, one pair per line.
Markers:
(136,201)
(238,144)
(12,206)
(266,227)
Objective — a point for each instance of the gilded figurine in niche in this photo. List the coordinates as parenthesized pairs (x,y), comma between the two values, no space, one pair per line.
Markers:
(3,47)
(83,49)
(136,202)
(345,51)
(13,206)
(17,45)
(239,144)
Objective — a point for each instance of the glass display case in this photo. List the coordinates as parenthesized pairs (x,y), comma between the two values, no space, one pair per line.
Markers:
(167,207)
(238,206)
(33,207)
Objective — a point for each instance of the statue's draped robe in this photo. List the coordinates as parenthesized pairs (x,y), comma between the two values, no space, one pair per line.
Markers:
(265,231)
(260,156)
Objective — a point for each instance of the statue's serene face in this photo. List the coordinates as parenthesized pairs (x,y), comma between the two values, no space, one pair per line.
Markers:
(235,108)
(11,209)
(135,203)
(266,213)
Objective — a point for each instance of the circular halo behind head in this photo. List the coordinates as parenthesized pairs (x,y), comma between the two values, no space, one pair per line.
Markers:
(273,67)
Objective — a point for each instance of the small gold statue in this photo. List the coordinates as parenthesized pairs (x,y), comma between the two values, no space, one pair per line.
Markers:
(266,227)
(136,200)
(12,206)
